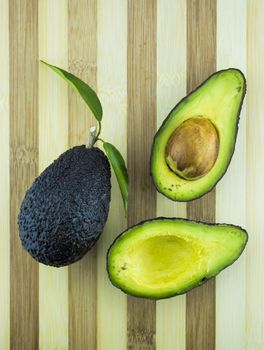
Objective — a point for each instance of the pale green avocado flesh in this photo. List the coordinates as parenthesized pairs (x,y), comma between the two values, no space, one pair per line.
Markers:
(165,257)
(218,99)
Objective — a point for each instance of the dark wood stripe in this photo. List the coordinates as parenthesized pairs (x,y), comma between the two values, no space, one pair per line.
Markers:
(23,30)
(142,18)
(201,62)
(82,275)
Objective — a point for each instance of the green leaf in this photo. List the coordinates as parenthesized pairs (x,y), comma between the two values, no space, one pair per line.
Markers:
(120,170)
(84,90)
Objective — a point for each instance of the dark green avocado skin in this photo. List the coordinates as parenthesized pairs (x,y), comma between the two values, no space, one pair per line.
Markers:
(65,210)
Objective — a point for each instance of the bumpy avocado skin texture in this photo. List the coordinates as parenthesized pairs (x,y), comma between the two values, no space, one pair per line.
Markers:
(219,99)
(228,242)
(65,210)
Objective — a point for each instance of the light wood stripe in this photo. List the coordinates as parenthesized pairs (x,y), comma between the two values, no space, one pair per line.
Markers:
(201,62)
(23,130)
(112,88)
(231,191)
(255,184)
(53,140)
(4,183)
(142,18)
(171,87)
(82,34)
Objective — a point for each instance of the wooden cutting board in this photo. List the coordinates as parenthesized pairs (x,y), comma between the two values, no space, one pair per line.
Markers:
(141,56)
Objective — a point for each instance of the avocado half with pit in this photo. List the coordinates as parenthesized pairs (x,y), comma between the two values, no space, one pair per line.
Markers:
(194,146)
(165,257)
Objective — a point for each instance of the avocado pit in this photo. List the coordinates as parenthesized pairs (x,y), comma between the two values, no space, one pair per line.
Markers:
(192,149)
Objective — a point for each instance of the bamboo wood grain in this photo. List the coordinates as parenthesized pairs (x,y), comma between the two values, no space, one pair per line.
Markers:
(112,88)
(4,183)
(231,191)
(34,128)
(142,18)
(23,130)
(201,62)
(171,87)
(255,184)
(82,44)
(53,140)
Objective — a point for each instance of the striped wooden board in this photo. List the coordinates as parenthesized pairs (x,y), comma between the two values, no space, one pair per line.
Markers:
(141,56)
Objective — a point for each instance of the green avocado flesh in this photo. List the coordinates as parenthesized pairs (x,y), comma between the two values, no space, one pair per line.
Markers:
(218,100)
(165,257)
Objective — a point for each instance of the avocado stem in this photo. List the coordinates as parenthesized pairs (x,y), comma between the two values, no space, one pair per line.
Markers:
(91,137)
(99,131)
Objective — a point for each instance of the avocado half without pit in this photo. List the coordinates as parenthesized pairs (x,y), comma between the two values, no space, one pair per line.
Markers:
(165,257)
(194,146)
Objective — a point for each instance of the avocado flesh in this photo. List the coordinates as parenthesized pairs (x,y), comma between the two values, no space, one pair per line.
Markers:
(165,257)
(65,210)
(218,99)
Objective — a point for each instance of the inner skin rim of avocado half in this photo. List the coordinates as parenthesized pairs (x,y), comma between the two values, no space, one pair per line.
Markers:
(218,99)
(160,262)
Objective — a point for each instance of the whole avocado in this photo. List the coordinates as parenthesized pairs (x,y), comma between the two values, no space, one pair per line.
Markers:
(65,210)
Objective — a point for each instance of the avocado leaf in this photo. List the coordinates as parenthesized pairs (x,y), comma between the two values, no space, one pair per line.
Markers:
(120,170)
(84,90)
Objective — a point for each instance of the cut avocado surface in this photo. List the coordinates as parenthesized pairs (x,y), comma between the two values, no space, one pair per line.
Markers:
(194,146)
(165,257)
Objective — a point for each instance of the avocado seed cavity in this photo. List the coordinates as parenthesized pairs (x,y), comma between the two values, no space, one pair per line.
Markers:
(192,149)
